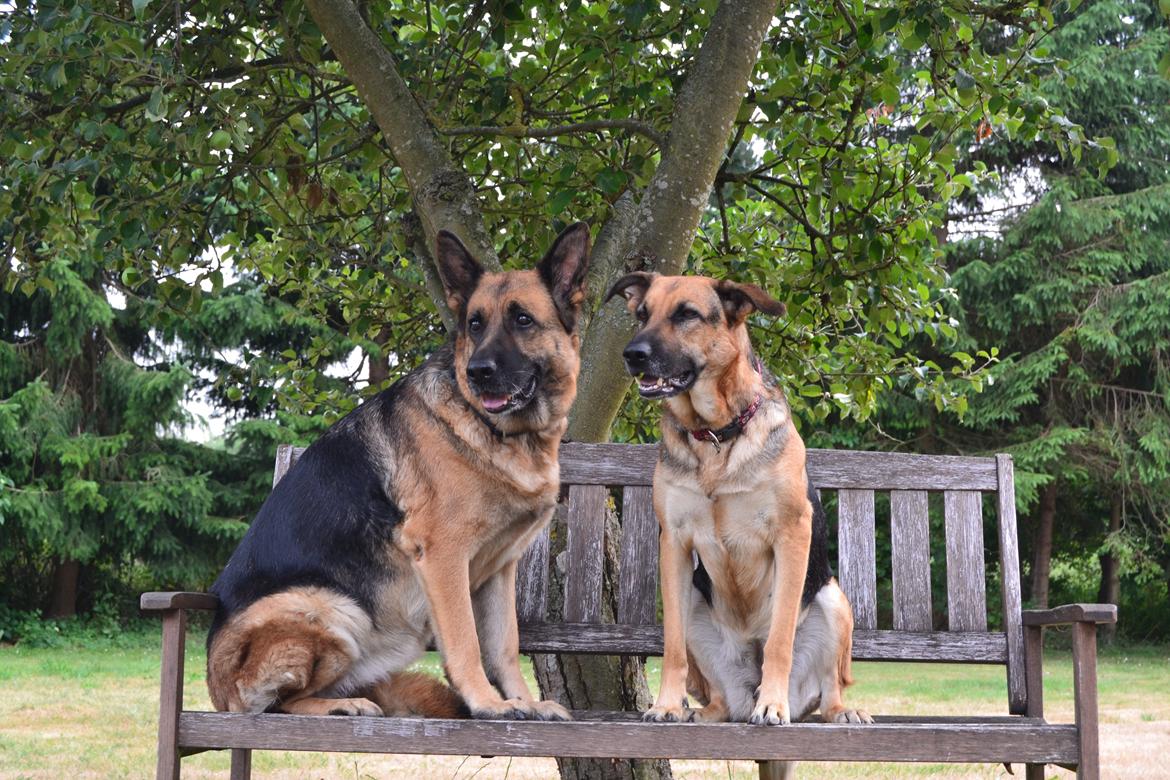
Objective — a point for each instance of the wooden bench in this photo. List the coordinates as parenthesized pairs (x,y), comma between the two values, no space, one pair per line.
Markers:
(590,471)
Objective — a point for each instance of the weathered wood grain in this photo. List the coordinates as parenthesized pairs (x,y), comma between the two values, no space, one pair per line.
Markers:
(633,464)
(174,633)
(584,553)
(1009,569)
(881,645)
(899,471)
(1071,613)
(856,563)
(1085,698)
(1034,670)
(608,464)
(966,580)
(910,542)
(638,575)
(286,456)
(532,580)
(156,602)
(241,768)
(1027,741)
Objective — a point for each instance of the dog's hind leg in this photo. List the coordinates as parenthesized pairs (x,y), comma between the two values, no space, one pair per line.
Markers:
(727,664)
(415,694)
(825,647)
(284,649)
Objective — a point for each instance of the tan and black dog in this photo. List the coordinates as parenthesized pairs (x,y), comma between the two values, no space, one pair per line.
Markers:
(406,519)
(759,630)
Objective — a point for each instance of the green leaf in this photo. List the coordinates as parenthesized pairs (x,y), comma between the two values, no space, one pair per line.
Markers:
(220,140)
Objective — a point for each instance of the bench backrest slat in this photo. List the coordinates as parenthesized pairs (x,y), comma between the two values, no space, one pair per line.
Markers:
(857,559)
(584,553)
(589,471)
(966,591)
(532,580)
(910,547)
(1009,568)
(633,464)
(638,572)
(868,645)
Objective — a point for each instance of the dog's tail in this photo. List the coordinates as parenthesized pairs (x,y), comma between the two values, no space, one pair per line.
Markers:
(416,694)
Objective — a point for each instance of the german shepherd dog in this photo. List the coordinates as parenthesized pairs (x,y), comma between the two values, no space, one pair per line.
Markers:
(406,519)
(758,630)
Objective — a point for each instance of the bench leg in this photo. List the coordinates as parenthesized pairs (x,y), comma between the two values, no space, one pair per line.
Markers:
(171,693)
(777,770)
(1034,681)
(1085,693)
(241,764)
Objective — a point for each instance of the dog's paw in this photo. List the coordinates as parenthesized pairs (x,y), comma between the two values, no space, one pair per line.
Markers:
(545,710)
(667,714)
(354,707)
(770,713)
(851,716)
(518,709)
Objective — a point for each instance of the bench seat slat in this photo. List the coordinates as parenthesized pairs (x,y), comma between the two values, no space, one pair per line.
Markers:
(973,741)
(609,639)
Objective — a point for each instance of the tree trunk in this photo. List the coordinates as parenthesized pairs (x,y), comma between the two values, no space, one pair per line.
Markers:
(594,682)
(63,597)
(1042,555)
(1110,590)
(443,196)
(657,235)
(675,198)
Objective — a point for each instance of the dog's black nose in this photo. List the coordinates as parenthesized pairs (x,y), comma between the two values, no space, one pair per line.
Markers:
(481,369)
(637,354)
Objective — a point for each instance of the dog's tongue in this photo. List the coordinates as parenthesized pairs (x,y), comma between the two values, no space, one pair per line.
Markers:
(493,403)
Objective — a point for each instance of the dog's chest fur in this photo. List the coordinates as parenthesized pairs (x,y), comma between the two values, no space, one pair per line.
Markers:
(726,505)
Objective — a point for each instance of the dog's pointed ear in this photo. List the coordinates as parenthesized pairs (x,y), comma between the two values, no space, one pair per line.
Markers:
(459,271)
(740,300)
(632,287)
(563,271)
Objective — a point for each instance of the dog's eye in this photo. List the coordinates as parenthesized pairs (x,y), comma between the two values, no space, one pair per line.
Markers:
(641,313)
(475,324)
(684,313)
(524,321)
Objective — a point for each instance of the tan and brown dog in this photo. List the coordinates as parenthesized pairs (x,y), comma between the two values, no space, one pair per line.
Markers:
(759,630)
(407,518)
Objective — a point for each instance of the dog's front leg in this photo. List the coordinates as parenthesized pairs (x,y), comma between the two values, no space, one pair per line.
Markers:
(445,576)
(495,620)
(789,568)
(676,570)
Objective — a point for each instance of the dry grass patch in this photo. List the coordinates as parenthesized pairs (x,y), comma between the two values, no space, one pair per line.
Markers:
(91,712)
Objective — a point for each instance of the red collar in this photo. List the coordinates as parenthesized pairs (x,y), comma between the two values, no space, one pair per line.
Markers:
(736,426)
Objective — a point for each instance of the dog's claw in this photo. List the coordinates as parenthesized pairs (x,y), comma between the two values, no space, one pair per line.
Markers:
(852,716)
(770,715)
(516,709)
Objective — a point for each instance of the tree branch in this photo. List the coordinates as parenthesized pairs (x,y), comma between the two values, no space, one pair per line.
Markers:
(634,126)
(676,197)
(443,196)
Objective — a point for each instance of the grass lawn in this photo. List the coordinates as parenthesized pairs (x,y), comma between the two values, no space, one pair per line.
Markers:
(91,712)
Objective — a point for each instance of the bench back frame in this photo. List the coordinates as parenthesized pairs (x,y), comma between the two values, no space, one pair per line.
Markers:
(590,471)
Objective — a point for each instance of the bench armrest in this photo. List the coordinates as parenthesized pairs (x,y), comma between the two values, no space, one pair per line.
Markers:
(1071,613)
(160,602)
